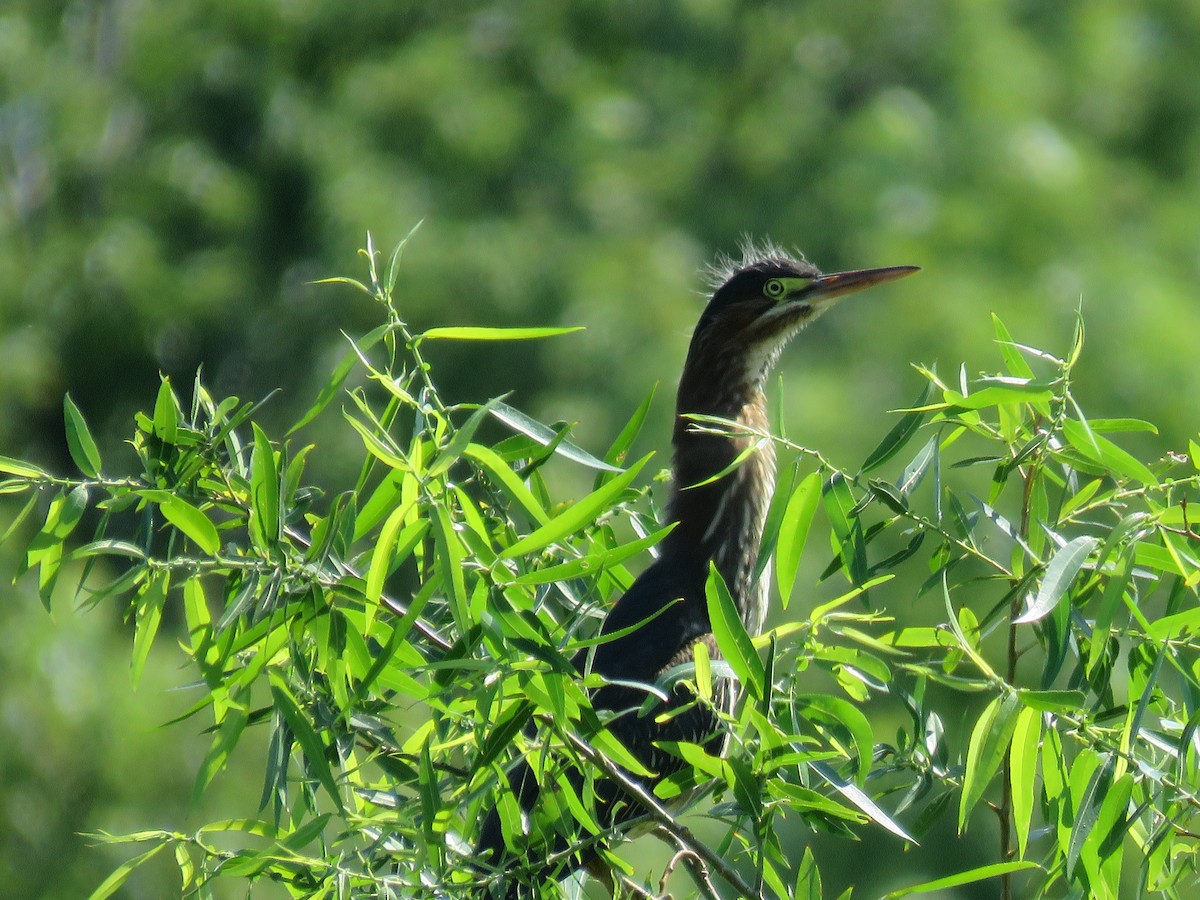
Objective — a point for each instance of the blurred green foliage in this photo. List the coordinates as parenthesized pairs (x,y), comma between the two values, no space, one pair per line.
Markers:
(174,174)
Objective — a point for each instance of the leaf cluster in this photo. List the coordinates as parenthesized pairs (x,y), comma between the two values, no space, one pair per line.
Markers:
(406,640)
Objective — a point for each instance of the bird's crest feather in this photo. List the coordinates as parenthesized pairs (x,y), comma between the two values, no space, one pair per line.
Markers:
(753,252)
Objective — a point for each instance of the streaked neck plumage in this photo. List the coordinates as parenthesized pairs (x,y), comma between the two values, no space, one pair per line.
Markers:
(723,520)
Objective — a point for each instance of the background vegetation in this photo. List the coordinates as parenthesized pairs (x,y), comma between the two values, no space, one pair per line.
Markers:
(176,174)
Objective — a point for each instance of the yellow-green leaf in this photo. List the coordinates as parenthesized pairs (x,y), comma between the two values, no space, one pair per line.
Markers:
(577,515)
(79,439)
(731,634)
(193,523)
(1023,757)
(475,333)
(793,532)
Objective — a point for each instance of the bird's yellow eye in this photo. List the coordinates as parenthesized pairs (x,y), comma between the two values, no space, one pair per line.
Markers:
(774,289)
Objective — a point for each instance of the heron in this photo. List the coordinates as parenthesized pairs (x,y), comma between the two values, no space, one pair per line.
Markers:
(757,305)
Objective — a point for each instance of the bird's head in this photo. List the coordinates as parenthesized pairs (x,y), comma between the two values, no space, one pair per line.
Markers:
(758,304)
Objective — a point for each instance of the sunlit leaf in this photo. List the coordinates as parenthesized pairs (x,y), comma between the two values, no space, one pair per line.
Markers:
(264,492)
(474,333)
(971,876)
(1027,734)
(1103,451)
(1060,573)
(793,532)
(166,413)
(193,523)
(989,743)
(79,440)
(20,468)
(859,798)
(731,634)
(575,516)
(146,621)
(121,874)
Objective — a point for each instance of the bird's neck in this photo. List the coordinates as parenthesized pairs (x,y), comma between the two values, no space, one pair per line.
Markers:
(722,521)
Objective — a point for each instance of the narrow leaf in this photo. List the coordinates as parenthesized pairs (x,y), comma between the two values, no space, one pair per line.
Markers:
(620,446)
(474,333)
(166,413)
(21,469)
(306,737)
(146,622)
(1027,735)
(193,523)
(793,532)
(732,637)
(989,742)
(503,475)
(1100,449)
(547,436)
(1012,356)
(982,873)
(859,798)
(900,434)
(79,440)
(1060,573)
(575,516)
(334,385)
(264,491)
(121,874)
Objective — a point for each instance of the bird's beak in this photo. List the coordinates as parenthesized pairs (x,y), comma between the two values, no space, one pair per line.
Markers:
(838,284)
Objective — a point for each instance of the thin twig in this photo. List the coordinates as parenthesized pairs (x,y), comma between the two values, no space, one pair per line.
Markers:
(659,815)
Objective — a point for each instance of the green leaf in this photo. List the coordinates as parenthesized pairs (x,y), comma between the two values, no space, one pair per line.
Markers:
(703,670)
(859,798)
(1017,366)
(989,742)
(775,515)
(306,737)
(79,440)
(575,516)
(431,799)
(1101,450)
(850,718)
(21,469)
(1060,573)
(846,532)
(620,447)
(1087,811)
(1016,391)
(901,433)
(547,437)
(449,566)
(472,333)
(166,413)
(608,744)
(732,637)
(1110,600)
(808,878)
(1113,425)
(458,444)
(1023,756)
(1061,702)
(504,477)
(381,556)
(193,523)
(982,873)
(146,621)
(793,532)
(334,385)
(264,492)
(121,874)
